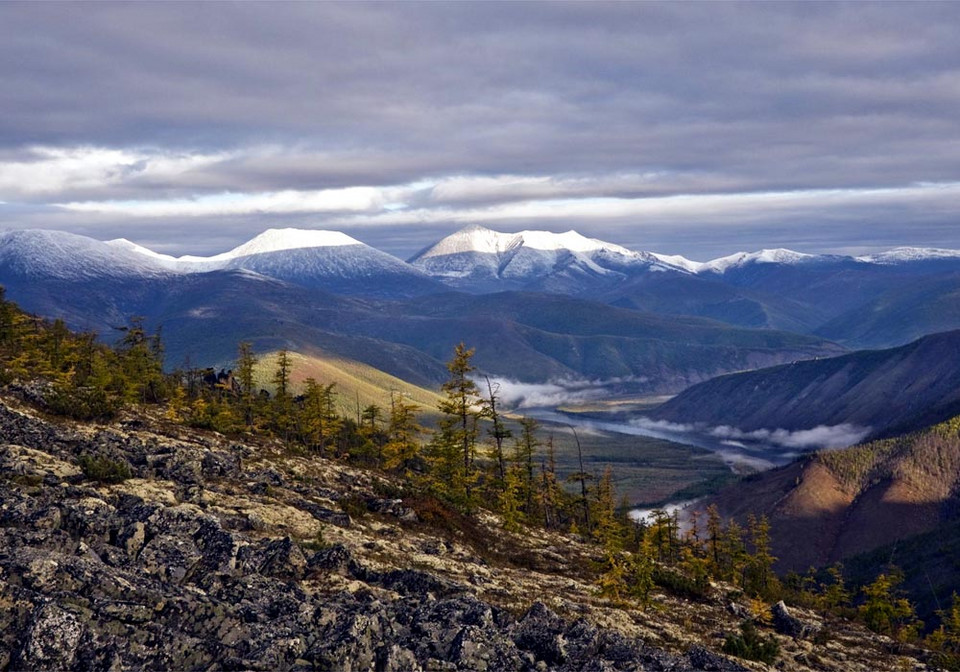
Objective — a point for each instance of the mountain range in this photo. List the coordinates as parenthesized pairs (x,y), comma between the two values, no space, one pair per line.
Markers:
(537,305)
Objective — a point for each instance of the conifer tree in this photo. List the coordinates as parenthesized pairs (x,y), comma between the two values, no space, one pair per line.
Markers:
(551,494)
(525,448)
(760,576)
(459,406)
(452,450)
(319,415)
(141,359)
(246,365)
(283,419)
(402,448)
(498,431)
(886,611)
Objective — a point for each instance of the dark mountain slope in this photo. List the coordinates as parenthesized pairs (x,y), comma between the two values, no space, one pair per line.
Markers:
(903,387)
(846,502)
(907,312)
(534,337)
(538,337)
(709,297)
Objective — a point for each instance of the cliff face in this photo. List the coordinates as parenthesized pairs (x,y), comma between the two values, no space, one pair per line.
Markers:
(210,554)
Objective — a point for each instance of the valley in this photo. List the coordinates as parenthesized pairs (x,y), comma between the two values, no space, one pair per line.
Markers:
(479,336)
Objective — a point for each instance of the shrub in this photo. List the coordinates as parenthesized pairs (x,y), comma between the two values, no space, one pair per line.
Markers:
(82,403)
(750,645)
(103,469)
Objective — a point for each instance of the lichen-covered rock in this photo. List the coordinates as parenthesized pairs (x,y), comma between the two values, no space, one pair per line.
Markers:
(211,558)
(52,640)
(787,623)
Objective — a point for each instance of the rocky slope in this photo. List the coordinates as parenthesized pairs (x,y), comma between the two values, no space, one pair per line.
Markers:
(211,554)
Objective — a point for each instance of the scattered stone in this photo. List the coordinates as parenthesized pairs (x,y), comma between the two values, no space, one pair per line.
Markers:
(787,623)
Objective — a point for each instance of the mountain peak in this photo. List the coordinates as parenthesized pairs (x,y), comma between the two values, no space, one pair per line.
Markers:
(276,240)
(904,254)
(777,255)
(479,239)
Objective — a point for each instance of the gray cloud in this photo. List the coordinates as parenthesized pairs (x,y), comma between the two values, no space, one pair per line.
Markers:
(520,102)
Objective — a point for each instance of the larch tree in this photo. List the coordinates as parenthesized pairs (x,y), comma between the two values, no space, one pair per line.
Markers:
(452,451)
(498,431)
(246,364)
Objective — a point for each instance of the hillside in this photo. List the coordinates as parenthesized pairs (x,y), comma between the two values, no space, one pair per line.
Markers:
(847,502)
(212,552)
(884,390)
(916,307)
(356,383)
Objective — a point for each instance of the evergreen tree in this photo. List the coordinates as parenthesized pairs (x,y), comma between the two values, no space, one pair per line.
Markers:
(283,419)
(459,406)
(141,361)
(760,579)
(525,448)
(452,450)
(886,611)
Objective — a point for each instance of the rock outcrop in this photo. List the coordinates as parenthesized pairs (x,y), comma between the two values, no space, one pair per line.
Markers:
(217,555)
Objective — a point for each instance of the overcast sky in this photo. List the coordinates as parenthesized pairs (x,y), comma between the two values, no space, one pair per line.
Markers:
(686,128)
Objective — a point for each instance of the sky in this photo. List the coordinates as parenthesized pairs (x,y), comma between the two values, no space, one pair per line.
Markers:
(684,128)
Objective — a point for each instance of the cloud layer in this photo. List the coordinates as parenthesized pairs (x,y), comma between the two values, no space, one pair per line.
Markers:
(696,130)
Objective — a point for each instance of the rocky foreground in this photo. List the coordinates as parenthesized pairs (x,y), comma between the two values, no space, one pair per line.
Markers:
(217,555)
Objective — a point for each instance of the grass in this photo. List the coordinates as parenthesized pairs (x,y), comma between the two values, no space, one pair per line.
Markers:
(355,381)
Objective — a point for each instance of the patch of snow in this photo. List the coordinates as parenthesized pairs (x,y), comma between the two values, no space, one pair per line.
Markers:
(676,261)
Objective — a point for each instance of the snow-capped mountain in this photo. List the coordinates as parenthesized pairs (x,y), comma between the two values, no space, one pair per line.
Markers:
(65,256)
(900,255)
(328,260)
(740,259)
(479,259)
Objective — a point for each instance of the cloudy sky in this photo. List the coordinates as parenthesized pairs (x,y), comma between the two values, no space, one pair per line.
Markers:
(691,128)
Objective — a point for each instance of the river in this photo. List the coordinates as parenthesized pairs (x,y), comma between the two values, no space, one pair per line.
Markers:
(740,455)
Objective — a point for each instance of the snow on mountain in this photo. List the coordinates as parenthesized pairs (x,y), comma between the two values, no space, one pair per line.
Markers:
(775,256)
(556,260)
(326,259)
(66,256)
(268,242)
(900,255)
(679,262)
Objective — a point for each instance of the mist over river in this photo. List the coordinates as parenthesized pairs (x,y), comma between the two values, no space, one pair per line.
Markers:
(741,454)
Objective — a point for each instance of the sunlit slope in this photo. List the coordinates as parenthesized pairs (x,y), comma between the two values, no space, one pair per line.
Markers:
(354,381)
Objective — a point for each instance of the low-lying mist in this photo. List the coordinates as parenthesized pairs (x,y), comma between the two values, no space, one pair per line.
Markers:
(515,394)
(821,436)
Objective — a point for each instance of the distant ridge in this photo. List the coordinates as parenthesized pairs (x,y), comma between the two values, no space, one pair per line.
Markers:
(898,389)
(879,300)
